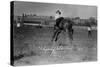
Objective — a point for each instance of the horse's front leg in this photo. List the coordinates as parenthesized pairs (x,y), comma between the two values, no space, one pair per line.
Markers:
(55,36)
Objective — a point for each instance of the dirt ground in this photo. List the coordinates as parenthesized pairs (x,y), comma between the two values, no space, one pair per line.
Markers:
(33,46)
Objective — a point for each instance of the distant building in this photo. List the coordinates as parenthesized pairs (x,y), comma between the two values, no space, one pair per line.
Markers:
(35,20)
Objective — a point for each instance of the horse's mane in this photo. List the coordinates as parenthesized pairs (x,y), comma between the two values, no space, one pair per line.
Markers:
(67,20)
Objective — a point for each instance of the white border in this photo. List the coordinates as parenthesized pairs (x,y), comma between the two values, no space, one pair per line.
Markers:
(5,32)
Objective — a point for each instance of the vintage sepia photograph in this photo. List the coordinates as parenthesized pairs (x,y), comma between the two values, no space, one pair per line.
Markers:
(52,33)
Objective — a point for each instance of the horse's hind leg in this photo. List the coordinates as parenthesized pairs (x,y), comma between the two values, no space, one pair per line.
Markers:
(70,37)
(72,31)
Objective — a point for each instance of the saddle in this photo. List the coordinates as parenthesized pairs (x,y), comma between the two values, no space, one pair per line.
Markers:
(63,24)
(59,23)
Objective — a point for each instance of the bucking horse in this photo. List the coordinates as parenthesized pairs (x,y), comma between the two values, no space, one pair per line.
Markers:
(63,24)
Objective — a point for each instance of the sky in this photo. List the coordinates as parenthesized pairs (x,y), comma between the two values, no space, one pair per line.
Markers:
(49,9)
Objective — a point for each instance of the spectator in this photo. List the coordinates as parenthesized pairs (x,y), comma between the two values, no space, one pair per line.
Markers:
(89,31)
